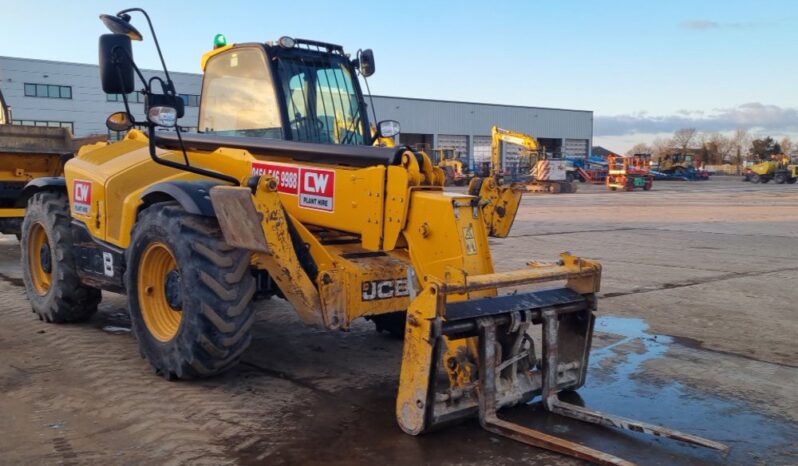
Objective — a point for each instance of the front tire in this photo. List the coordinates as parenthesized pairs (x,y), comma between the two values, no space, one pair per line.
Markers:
(189,293)
(49,268)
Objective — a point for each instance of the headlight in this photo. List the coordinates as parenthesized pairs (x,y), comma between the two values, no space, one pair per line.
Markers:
(163,116)
(286,42)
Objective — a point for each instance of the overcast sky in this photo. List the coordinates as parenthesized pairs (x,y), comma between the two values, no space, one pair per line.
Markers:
(645,68)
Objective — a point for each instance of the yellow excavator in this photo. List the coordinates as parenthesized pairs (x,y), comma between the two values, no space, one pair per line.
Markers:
(547,175)
(28,152)
(190,227)
(500,199)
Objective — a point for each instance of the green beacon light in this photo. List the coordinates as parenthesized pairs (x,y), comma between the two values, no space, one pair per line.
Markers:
(219,41)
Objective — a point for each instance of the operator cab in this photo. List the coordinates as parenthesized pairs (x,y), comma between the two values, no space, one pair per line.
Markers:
(294,89)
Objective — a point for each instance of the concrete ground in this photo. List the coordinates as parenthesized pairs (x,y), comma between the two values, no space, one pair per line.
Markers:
(697,331)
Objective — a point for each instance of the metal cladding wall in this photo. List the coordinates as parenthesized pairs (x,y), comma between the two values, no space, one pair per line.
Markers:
(446,117)
(88,107)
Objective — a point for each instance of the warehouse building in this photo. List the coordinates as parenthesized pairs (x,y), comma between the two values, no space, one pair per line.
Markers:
(53,93)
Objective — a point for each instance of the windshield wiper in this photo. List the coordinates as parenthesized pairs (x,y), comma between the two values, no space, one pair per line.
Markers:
(355,122)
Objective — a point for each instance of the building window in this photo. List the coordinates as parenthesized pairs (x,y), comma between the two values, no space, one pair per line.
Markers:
(133,98)
(51,124)
(48,90)
(190,100)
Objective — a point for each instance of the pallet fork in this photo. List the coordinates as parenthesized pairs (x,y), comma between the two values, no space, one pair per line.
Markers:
(474,356)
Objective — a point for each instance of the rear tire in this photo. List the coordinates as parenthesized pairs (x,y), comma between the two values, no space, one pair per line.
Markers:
(754,178)
(780,178)
(48,262)
(189,293)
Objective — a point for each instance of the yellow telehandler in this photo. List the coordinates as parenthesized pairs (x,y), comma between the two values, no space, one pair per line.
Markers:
(269,199)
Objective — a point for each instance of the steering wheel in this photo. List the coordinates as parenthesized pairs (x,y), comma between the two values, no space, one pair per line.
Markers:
(301,121)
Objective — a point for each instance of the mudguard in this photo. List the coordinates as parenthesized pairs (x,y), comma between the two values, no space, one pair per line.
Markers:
(45,183)
(193,196)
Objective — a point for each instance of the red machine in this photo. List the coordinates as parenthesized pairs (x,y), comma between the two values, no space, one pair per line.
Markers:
(592,175)
(631,172)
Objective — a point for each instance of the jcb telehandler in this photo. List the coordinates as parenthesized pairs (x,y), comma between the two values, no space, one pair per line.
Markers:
(261,202)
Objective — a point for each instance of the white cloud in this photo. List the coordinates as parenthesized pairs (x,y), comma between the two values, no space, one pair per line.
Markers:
(753,116)
(699,25)
(706,25)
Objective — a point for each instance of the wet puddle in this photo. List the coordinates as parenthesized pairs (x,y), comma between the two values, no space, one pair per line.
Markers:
(616,384)
(358,426)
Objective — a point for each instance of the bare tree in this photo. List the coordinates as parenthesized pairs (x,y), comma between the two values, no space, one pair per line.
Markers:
(660,147)
(787,145)
(740,142)
(685,138)
(723,147)
(640,148)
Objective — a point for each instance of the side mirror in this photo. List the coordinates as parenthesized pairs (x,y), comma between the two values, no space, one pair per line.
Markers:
(388,128)
(365,62)
(116,64)
(119,121)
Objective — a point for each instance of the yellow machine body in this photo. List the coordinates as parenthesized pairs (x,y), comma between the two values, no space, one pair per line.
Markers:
(108,184)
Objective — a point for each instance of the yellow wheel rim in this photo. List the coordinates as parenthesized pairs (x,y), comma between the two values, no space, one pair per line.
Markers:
(161,319)
(40,259)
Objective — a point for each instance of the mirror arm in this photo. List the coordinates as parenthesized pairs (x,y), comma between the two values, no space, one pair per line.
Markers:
(371,99)
(127,104)
(126,56)
(169,83)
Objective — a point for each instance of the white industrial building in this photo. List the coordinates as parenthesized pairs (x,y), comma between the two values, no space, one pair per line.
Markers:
(54,93)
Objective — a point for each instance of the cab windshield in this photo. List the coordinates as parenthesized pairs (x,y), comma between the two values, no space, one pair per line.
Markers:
(242,96)
(322,102)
